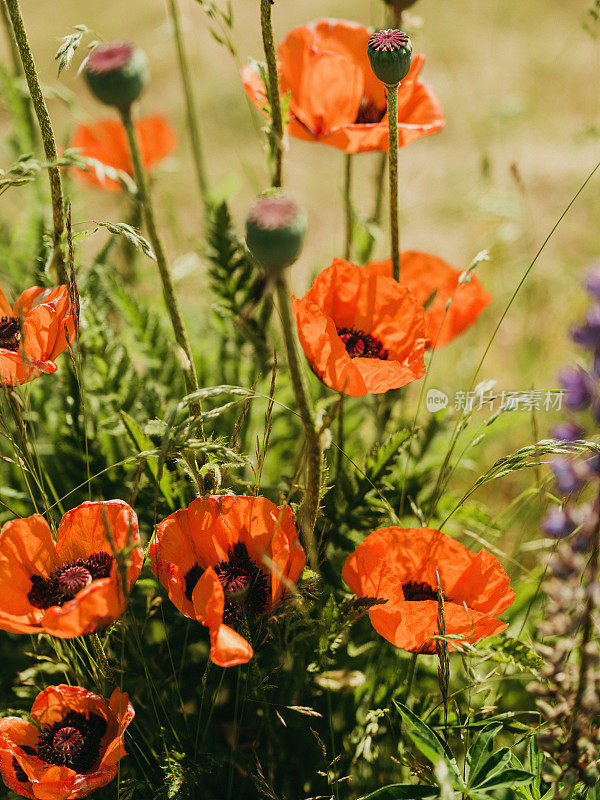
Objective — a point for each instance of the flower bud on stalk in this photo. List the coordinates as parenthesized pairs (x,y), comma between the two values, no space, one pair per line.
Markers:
(275,230)
(390,54)
(117,73)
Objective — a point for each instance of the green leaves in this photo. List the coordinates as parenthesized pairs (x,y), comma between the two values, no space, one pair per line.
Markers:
(427,741)
(399,791)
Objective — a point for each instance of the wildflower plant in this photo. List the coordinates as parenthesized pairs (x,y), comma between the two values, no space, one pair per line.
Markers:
(239,556)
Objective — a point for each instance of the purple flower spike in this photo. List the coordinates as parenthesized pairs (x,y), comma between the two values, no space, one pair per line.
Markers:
(577,384)
(567,478)
(568,432)
(558,523)
(588,335)
(592,281)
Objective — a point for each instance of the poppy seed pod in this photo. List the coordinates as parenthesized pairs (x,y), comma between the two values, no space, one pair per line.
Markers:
(390,54)
(116,73)
(275,230)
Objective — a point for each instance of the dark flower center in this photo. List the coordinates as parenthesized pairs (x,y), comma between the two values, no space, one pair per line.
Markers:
(369,113)
(361,345)
(73,742)
(245,585)
(414,591)
(64,583)
(10,333)
(388,41)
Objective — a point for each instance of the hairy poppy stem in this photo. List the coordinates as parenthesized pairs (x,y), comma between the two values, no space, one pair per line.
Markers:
(179,329)
(392,100)
(348,206)
(310,503)
(273,89)
(190,104)
(48,138)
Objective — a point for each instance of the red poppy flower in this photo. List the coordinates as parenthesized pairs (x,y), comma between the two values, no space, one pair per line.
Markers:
(74,587)
(225,561)
(434,282)
(106,141)
(334,96)
(70,749)
(34,332)
(361,333)
(399,565)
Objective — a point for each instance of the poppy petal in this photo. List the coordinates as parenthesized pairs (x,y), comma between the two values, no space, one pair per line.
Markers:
(26,549)
(100,526)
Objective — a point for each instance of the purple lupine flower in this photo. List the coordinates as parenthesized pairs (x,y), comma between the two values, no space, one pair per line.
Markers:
(558,523)
(568,431)
(568,478)
(577,384)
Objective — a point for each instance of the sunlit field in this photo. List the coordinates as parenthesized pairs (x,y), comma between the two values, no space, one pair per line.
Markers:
(298,494)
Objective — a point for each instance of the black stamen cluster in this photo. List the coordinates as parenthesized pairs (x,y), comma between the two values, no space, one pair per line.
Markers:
(414,591)
(237,574)
(46,592)
(359,344)
(83,756)
(9,333)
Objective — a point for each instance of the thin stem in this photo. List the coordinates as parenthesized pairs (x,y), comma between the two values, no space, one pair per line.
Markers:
(348,206)
(190,103)
(392,99)
(273,89)
(310,503)
(179,329)
(48,138)
(411,670)
(586,636)
(341,437)
(103,662)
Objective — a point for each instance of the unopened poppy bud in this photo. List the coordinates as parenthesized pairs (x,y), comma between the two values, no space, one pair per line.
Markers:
(275,230)
(116,73)
(390,54)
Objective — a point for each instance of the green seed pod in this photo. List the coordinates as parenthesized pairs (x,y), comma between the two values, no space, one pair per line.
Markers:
(116,73)
(390,54)
(275,230)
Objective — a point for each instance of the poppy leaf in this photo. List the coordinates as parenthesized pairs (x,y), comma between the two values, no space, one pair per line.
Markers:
(426,740)
(481,749)
(400,791)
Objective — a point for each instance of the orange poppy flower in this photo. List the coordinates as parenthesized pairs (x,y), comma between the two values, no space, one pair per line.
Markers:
(34,332)
(71,747)
(106,141)
(335,98)
(225,561)
(434,282)
(73,587)
(361,333)
(399,565)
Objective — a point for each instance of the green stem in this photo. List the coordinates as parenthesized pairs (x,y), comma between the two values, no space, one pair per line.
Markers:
(310,503)
(409,678)
(348,206)
(273,89)
(179,329)
(392,98)
(190,103)
(48,138)
(341,438)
